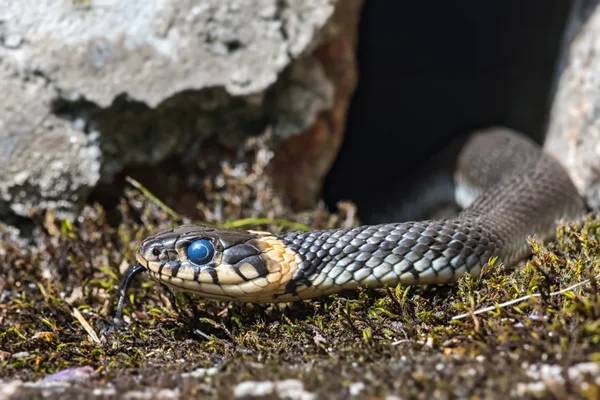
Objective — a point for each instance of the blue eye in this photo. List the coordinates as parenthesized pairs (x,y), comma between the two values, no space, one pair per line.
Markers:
(200,251)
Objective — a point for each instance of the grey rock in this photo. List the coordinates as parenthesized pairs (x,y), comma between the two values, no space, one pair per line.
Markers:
(44,163)
(93,87)
(574,127)
(153,50)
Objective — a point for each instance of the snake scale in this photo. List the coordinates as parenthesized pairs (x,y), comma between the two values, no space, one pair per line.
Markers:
(508,188)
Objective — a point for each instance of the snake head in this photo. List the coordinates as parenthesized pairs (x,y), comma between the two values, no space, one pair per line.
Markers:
(180,250)
(216,263)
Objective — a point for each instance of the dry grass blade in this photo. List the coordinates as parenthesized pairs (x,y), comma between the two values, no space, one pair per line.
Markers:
(153,198)
(521,299)
(88,328)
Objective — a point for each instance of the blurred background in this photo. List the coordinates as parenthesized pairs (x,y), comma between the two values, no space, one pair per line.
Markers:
(349,99)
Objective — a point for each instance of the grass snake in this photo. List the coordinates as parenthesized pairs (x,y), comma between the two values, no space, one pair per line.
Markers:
(507,187)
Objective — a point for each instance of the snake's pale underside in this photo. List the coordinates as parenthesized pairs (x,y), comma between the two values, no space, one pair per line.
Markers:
(508,188)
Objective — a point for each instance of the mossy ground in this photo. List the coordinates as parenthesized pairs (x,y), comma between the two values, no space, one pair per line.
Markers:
(372,344)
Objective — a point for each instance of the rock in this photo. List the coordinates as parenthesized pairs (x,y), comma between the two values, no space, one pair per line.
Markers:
(301,163)
(292,389)
(9,388)
(44,162)
(574,127)
(96,87)
(74,374)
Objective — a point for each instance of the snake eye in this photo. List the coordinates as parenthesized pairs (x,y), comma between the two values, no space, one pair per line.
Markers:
(200,251)
(156,252)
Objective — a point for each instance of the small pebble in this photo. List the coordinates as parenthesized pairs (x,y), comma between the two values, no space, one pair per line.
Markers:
(356,388)
(201,372)
(292,389)
(76,374)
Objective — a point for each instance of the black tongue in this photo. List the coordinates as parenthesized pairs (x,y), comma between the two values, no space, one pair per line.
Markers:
(131,273)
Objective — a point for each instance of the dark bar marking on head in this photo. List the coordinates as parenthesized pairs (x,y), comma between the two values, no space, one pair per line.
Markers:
(213,275)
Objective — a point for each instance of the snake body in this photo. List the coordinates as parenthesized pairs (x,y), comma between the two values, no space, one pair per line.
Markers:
(509,190)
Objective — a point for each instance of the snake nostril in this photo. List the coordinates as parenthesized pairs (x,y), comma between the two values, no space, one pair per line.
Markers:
(156,252)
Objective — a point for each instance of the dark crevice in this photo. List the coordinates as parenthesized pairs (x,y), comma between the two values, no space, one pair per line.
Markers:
(233,45)
(432,71)
(160,147)
(280,7)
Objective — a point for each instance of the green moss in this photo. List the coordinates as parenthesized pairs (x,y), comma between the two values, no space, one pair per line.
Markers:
(400,340)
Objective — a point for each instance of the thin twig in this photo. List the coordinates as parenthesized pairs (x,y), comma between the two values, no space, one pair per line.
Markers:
(521,299)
